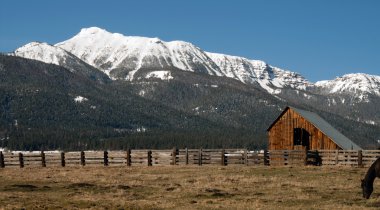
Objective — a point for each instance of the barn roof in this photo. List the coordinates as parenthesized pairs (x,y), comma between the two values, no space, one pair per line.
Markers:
(341,140)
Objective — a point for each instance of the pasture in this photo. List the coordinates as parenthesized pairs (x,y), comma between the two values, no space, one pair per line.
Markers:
(185,187)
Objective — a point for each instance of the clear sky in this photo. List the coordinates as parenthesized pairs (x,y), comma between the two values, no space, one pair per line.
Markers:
(320,39)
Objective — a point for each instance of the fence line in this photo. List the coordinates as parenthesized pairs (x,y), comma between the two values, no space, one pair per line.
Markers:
(186,156)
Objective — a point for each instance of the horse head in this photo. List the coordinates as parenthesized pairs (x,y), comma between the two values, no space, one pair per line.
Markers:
(367,189)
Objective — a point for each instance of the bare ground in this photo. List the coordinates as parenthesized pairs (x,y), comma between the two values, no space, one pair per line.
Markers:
(185,187)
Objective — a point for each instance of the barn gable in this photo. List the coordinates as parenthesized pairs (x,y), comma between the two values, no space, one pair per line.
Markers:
(322,134)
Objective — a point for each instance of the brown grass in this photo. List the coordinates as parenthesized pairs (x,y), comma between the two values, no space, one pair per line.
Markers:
(185,187)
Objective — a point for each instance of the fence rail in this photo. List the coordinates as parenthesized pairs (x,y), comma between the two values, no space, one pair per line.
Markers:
(200,157)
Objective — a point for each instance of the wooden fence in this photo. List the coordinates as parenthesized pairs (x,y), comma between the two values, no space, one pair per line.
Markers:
(349,157)
(134,157)
(200,157)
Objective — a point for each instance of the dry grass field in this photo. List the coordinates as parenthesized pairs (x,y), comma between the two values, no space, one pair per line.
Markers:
(185,187)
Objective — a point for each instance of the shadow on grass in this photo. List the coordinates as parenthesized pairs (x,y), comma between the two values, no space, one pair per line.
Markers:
(81,185)
(21,187)
(214,193)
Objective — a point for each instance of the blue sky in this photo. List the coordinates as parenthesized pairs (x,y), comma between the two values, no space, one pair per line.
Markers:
(320,39)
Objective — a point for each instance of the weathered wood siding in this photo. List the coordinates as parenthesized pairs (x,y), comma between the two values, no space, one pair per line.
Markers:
(281,134)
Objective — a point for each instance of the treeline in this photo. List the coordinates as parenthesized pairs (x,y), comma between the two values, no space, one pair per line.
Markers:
(38,111)
(97,140)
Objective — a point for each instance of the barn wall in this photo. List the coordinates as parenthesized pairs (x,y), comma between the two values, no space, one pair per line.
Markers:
(281,133)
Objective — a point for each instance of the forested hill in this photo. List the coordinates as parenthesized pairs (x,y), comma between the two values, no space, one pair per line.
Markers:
(48,107)
(45,106)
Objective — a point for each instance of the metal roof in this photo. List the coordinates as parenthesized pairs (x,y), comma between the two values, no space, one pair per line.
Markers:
(341,140)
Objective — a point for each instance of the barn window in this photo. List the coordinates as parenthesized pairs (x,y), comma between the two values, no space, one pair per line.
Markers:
(301,137)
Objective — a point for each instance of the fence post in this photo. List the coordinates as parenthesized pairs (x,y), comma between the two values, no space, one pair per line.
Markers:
(223,158)
(174,156)
(63,162)
(286,156)
(82,158)
(266,158)
(305,157)
(360,158)
(186,156)
(336,157)
(21,159)
(43,159)
(149,158)
(2,164)
(105,158)
(200,157)
(246,157)
(129,159)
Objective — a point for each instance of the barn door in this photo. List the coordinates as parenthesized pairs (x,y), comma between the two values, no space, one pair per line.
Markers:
(301,138)
(305,139)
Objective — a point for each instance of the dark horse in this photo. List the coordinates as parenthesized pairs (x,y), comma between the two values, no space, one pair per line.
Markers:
(367,182)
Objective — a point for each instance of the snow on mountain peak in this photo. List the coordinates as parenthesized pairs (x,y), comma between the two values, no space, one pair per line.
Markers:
(55,55)
(255,71)
(240,68)
(357,83)
(121,57)
(92,30)
(108,51)
(43,52)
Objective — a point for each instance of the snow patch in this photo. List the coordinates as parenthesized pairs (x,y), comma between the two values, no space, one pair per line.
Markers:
(163,75)
(277,91)
(307,96)
(142,93)
(371,122)
(141,129)
(80,99)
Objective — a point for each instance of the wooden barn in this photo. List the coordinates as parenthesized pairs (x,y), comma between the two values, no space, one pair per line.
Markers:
(297,129)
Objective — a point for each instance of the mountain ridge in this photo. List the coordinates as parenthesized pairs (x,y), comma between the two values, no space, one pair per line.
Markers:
(121,57)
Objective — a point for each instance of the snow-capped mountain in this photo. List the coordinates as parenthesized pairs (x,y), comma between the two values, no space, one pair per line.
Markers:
(108,51)
(358,84)
(111,52)
(55,55)
(126,57)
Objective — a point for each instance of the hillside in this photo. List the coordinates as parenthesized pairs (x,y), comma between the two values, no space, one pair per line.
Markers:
(50,107)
